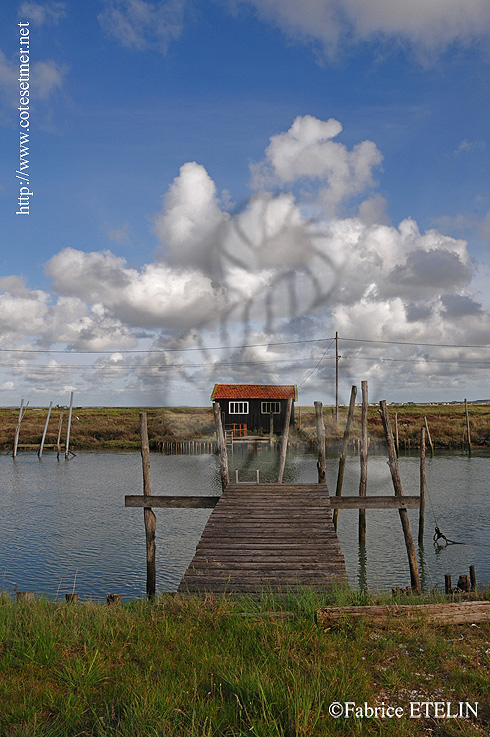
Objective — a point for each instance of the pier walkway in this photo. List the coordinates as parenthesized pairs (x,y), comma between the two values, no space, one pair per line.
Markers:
(267,537)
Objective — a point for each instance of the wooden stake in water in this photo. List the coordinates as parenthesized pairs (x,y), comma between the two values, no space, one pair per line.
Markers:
(58,446)
(67,446)
(468,434)
(343,456)
(40,451)
(284,441)
(17,429)
(150,519)
(397,484)
(364,458)
(223,456)
(422,486)
(320,435)
(429,437)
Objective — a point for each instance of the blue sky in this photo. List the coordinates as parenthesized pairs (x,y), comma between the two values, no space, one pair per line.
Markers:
(218,187)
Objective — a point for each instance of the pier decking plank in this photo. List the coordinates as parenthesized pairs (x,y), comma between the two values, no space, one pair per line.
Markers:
(267,537)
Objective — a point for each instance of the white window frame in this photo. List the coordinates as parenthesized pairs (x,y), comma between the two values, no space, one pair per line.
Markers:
(275,411)
(238,408)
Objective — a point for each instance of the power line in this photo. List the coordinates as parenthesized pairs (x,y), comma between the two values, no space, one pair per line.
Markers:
(162,350)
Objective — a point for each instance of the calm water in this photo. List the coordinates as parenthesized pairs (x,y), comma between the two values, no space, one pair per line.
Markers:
(61,520)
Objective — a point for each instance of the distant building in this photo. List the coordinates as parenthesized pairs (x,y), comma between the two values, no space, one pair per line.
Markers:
(250,408)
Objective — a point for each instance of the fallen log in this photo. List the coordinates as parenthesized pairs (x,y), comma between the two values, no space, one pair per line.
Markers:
(451,613)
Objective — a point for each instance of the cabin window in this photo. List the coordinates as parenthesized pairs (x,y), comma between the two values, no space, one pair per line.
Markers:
(268,408)
(238,408)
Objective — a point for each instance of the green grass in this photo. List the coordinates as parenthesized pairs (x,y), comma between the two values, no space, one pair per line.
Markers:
(225,667)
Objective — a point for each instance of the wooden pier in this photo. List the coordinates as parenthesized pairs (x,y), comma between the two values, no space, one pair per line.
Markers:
(267,537)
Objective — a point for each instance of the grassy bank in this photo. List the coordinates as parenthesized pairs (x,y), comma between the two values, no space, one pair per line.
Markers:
(220,668)
(118,427)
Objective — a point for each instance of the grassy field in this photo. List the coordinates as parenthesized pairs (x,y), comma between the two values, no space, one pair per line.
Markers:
(110,427)
(228,668)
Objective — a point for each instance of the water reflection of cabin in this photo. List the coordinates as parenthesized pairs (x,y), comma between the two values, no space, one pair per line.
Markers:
(250,408)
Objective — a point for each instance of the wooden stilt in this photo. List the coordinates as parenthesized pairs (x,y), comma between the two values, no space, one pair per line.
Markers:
(429,437)
(17,429)
(58,442)
(40,451)
(468,433)
(363,458)
(422,486)
(150,519)
(284,441)
(67,445)
(223,457)
(396,435)
(320,435)
(397,484)
(343,455)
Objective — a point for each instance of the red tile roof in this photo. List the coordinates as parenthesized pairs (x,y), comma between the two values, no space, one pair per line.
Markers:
(254,391)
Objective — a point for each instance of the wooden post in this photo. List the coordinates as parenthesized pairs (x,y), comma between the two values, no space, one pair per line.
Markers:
(429,437)
(422,486)
(396,435)
(223,457)
(284,441)
(67,446)
(17,429)
(320,435)
(473,578)
(397,484)
(271,430)
(363,458)
(468,434)
(58,446)
(150,519)
(336,377)
(343,455)
(40,451)
(447,584)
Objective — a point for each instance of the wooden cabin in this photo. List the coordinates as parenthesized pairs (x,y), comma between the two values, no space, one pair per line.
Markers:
(248,409)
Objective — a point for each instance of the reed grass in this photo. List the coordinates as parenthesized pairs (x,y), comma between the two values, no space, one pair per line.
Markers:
(228,667)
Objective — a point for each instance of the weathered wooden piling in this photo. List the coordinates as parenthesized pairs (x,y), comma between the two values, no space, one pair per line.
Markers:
(58,441)
(363,459)
(429,437)
(17,429)
(320,434)
(343,455)
(67,444)
(149,515)
(422,486)
(397,484)
(41,446)
(223,456)
(473,578)
(284,441)
(468,432)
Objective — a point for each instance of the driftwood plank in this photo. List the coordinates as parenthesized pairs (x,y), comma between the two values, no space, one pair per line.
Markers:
(451,613)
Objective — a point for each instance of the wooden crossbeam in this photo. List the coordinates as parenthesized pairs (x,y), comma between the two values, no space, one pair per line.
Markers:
(374,502)
(176,502)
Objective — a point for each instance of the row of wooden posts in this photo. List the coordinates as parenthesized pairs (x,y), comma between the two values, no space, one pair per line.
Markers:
(363,502)
(42,444)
